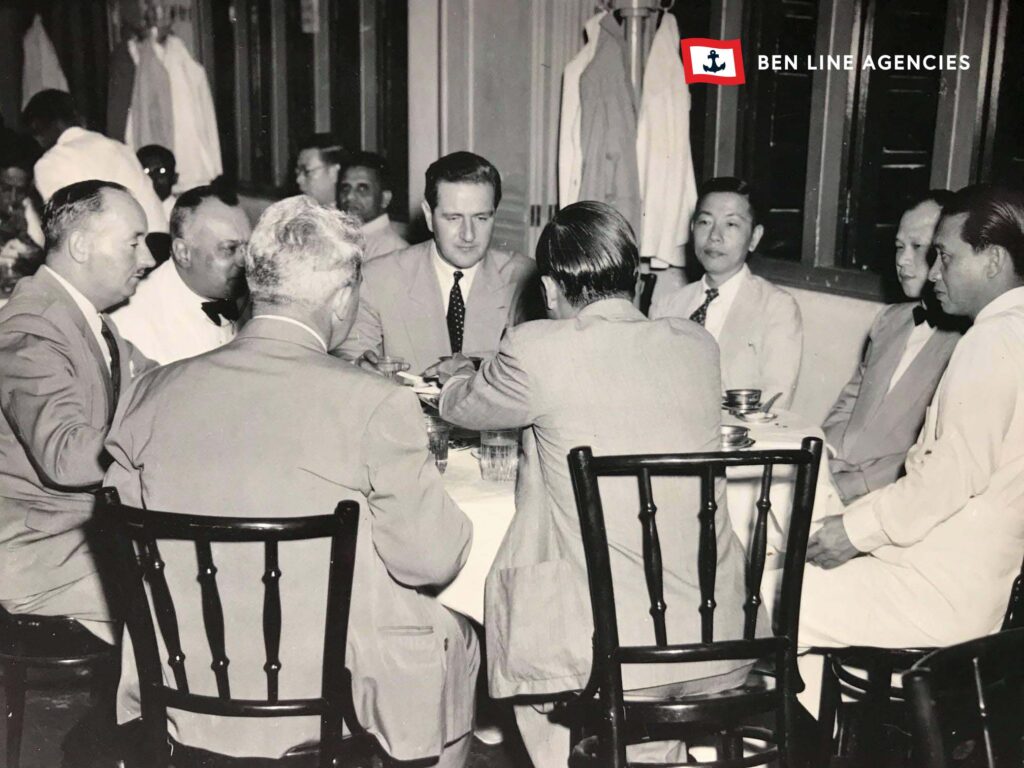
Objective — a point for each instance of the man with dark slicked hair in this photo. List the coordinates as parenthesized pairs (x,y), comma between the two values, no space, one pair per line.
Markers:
(943,543)
(64,367)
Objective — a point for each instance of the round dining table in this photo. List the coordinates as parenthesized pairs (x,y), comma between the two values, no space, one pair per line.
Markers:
(491,505)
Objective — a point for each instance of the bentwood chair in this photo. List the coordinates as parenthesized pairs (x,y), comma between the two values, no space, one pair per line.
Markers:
(966,704)
(860,709)
(602,717)
(133,555)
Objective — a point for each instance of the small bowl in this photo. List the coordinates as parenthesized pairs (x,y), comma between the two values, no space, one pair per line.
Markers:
(742,397)
(734,435)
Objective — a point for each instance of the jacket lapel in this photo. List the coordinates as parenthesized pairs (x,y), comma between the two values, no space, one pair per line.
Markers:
(487,305)
(926,367)
(889,346)
(426,326)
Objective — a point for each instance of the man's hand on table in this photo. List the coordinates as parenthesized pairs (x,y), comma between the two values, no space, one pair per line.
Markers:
(368,362)
(444,370)
(830,546)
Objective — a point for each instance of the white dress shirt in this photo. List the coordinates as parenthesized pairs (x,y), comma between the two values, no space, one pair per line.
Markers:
(446,277)
(165,320)
(718,310)
(80,155)
(92,316)
(915,343)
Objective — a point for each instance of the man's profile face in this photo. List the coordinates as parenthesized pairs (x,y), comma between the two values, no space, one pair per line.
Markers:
(724,233)
(14,183)
(913,241)
(215,235)
(360,193)
(118,256)
(164,175)
(462,221)
(958,272)
(315,177)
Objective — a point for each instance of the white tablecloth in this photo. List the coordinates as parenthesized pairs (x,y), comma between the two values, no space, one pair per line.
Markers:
(491,505)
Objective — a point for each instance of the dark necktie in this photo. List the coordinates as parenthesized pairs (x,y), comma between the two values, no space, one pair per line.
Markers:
(115,366)
(456,314)
(922,315)
(700,314)
(221,308)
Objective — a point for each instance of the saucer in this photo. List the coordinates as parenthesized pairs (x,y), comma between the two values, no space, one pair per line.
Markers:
(756,417)
(738,446)
(740,408)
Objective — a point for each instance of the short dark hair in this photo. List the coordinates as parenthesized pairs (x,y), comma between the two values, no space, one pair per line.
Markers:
(332,151)
(70,204)
(461,167)
(590,250)
(995,216)
(736,186)
(158,153)
(49,107)
(187,202)
(374,162)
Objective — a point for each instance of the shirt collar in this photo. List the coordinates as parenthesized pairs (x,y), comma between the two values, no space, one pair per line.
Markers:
(1009,300)
(70,134)
(92,315)
(379,224)
(299,323)
(730,287)
(446,272)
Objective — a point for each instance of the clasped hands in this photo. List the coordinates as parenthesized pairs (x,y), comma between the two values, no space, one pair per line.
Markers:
(830,546)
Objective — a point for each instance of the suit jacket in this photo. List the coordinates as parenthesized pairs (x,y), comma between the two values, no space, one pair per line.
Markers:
(269,425)
(55,394)
(762,340)
(599,379)
(871,427)
(401,310)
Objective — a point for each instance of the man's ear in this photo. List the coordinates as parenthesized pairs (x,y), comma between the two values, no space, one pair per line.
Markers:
(181,253)
(997,259)
(428,215)
(385,199)
(78,246)
(551,290)
(755,238)
(332,172)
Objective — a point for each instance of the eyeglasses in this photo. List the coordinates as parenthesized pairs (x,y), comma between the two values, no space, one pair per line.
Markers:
(306,172)
(161,171)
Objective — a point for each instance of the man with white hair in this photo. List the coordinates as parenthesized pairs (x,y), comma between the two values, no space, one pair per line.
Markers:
(268,425)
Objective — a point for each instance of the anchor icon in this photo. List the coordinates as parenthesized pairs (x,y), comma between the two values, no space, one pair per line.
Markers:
(715,66)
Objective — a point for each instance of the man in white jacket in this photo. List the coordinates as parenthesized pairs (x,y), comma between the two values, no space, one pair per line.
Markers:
(74,154)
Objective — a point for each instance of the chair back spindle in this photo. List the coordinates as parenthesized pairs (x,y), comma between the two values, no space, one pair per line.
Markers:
(652,557)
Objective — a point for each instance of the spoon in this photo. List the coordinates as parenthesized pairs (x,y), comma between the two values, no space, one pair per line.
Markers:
(767,407)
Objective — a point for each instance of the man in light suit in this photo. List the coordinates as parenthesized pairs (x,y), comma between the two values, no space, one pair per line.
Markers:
(72,153)
(943,543)
(589,376)
(63,369)
(452,294)
(757,326)
(271,425)
(880,411)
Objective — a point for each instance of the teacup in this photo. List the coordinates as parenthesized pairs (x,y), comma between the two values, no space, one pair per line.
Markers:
(743,398)
(734,435)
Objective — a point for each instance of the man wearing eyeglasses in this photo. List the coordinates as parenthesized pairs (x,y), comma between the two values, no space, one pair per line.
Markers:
(191,303)
(162,168)
(317,168)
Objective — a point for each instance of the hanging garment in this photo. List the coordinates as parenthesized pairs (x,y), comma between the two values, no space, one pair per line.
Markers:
(41,65)
(667,185)
(151,117)
(196,144)
(608,127)
(570,153)
(119,92)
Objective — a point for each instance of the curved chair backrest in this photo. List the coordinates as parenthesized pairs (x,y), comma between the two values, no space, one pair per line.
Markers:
(131,548)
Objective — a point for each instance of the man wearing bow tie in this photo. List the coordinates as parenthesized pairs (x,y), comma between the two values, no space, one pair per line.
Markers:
(880,411)
(64,367)
(190,304)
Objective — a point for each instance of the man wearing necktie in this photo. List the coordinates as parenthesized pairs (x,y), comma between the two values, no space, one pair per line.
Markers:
(453,293)
(64,368)
(879,413)
(190,304)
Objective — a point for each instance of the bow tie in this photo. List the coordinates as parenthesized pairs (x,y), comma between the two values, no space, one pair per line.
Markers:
(221,308)
(922,315)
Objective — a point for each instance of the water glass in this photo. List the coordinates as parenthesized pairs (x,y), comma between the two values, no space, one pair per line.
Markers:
(438,432)
(499,454)
(391,366)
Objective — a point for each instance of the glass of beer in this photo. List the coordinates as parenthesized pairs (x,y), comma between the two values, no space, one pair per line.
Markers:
(499,454)
(438,432)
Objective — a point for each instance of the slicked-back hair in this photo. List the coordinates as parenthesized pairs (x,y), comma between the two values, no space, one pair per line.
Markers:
(332,151)
(374,162)
(301,252)
(69,207)
(157,152)
(995,216)
(590,250)
(49,107)
(464,168)
(736,186)
(187,202)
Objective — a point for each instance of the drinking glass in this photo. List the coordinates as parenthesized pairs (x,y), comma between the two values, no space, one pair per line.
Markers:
(499,454)
(438,432)
(390,367)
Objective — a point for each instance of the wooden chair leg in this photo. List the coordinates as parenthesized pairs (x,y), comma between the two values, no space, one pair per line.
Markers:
(828,707)
(14,695)
(876,704)
(730,746)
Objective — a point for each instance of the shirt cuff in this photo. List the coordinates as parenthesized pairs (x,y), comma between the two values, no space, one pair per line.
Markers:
(863,529)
